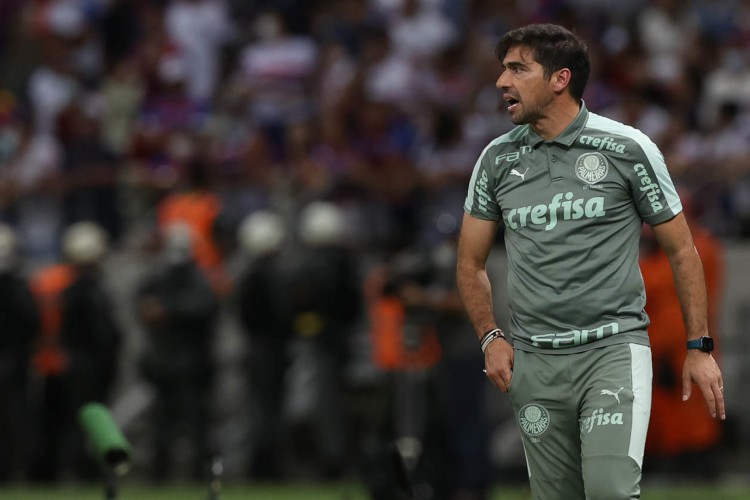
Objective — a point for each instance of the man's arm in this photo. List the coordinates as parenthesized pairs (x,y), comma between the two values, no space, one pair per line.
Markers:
(474,245)
(474,287)
(675,239)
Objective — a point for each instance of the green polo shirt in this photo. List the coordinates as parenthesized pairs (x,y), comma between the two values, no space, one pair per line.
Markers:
(573,209)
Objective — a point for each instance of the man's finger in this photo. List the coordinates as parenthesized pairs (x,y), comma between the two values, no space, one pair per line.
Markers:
(501,381)
(719,395)
(687,386)
(708,395)
(502,385)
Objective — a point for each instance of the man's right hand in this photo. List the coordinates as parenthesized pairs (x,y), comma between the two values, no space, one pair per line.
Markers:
(498,363)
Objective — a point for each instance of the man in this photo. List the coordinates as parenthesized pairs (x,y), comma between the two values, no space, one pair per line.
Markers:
(262,236)
(179,309)
(90,335)
(77,351)
(573,189)
(20,319)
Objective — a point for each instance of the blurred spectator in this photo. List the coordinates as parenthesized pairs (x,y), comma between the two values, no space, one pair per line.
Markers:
(7,8)
(11,138)
(242,159)
(385,140)
(387,76)
(122,95)
(277,71)
(643,111)
(20,319)
(63,31)
(77,353)
(419,31)
(199,28)
(444,164)
(345,23)
(450,81)
(726,81)
(178,309)
(167,132)
(681,434)
(90,170)
(195,204)
(332,162)
(665,30)
(120,29)
(30,168)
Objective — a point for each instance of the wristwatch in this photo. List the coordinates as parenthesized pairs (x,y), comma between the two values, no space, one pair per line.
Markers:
(705,344)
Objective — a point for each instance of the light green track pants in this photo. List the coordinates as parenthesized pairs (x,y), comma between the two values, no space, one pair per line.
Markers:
(583,418)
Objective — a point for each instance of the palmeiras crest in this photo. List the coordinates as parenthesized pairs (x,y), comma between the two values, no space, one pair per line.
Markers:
(534,419)
(591,168)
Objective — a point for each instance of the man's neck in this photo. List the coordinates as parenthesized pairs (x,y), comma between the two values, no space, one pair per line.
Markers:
(559,115)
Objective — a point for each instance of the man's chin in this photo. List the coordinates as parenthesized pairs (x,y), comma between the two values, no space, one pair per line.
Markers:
(517,118)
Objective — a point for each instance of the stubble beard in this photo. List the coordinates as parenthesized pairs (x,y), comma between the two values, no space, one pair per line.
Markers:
(532,115)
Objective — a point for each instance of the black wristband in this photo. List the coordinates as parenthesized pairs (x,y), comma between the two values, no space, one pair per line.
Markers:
(489,337)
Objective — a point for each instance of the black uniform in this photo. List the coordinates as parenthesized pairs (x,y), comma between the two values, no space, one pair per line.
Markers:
(19,318)
(91,336)
(179,362)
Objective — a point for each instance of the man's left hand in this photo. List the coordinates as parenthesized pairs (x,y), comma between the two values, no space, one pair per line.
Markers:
(701,368)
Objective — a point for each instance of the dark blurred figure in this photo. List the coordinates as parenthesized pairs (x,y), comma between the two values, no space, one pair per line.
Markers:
(406,439)
(298,308)
(77,352)
(323,286)
(464,385)
(259,298)
(120,30)
(20,319)
(90,333)
(178,308)
(683,440)
(437,416)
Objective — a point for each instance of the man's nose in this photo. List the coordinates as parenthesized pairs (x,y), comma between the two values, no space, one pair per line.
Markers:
(501,81)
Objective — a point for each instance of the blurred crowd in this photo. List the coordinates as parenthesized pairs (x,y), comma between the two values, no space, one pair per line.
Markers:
(326,145)
(379,105)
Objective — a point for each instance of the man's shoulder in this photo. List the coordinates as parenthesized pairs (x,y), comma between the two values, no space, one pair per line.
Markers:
(613,135)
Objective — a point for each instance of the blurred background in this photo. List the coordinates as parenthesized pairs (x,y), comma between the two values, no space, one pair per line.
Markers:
(234,222)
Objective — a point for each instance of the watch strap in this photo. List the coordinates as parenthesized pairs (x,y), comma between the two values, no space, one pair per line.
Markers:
(695,344)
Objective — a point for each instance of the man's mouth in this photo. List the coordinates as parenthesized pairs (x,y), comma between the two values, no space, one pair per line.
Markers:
(511,102)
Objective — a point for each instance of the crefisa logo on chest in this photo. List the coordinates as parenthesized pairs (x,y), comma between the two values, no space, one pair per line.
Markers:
(591,168)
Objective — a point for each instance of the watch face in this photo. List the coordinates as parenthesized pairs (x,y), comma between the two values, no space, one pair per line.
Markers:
(707,344)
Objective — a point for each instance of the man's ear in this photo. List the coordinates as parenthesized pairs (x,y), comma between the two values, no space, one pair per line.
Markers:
(560,79)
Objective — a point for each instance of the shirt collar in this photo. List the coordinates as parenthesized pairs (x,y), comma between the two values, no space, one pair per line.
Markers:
(567,136)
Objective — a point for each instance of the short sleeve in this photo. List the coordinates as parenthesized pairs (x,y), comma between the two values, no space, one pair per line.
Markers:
(654,194)
(480,201)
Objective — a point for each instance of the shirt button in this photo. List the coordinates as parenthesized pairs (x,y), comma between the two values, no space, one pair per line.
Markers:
(554,158)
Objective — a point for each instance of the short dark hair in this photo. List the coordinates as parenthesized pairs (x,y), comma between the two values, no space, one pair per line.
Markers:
(554,48)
